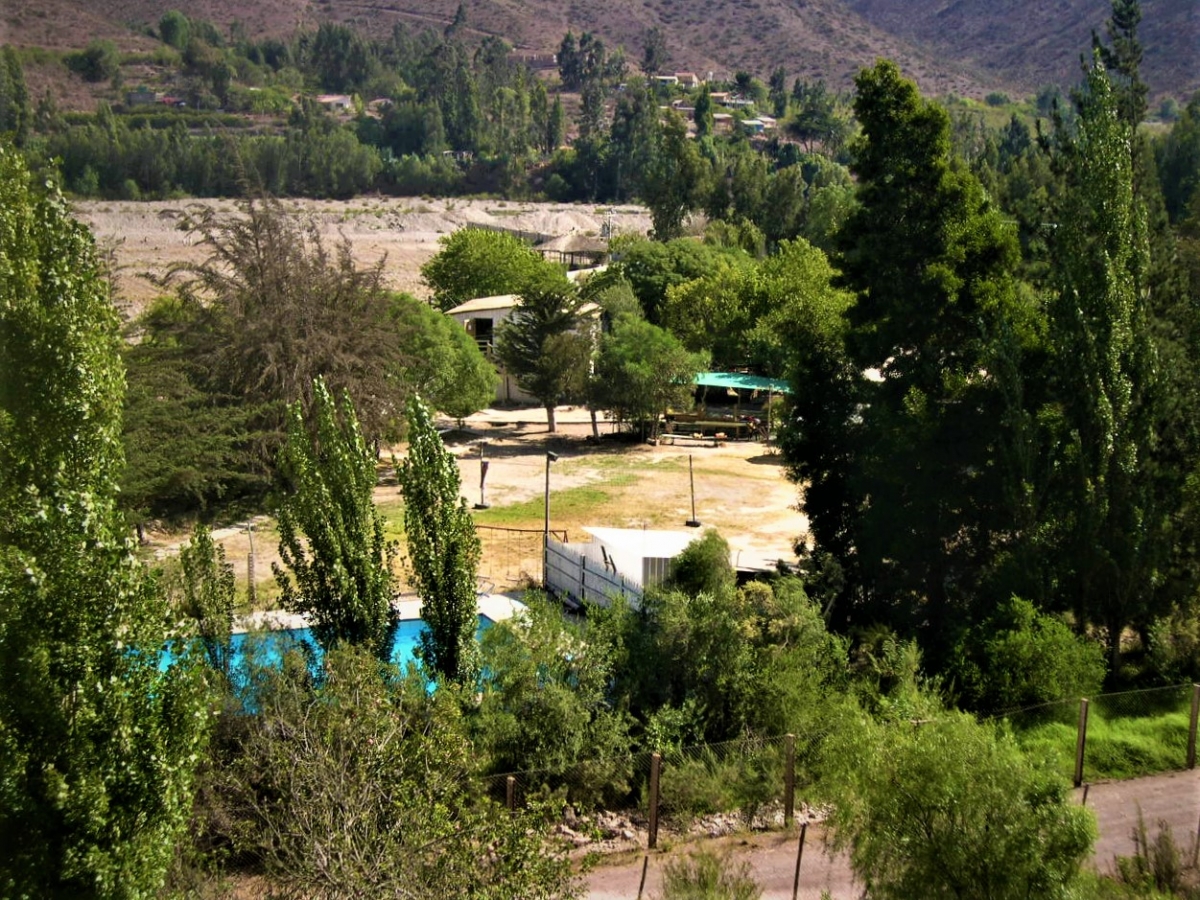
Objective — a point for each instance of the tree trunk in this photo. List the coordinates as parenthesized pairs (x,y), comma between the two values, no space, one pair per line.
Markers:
(552,425)
(595,426)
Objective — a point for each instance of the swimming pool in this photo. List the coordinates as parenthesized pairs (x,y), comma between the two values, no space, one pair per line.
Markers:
(267,648)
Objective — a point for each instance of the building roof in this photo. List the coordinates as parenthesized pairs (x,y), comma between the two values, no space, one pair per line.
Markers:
(643,542)
(485,304)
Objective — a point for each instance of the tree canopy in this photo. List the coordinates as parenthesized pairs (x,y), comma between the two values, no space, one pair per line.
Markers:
(98,745)
(474,262)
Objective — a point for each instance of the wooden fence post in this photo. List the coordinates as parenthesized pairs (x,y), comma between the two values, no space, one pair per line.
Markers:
(1191,753)
(799,857)
(1081,741)
(642,883)
(510,793)
(789,779)
(655,765)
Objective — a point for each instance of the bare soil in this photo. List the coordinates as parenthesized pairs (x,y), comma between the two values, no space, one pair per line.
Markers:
(144,237)
(741,489)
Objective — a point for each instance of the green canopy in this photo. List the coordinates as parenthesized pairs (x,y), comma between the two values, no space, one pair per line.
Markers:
(745,382)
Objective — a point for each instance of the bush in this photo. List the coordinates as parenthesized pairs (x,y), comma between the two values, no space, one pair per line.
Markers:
(953,808)
(1022,657)
(703,567)
(706,876)
(360,785)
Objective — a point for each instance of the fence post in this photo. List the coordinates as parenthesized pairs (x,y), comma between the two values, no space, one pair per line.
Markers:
(789,779)
(799,857)
(510,792)
(1191,759)
(655,765)
(1081,741)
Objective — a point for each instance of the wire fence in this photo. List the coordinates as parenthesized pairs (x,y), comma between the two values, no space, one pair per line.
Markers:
(755,781)
(750,782)
(1116,735)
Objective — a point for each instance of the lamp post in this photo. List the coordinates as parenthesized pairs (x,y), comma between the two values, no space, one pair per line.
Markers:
(551,456)
(483,470)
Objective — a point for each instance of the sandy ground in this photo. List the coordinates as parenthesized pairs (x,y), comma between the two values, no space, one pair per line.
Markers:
(1173,799)
(403,231)
(741,489)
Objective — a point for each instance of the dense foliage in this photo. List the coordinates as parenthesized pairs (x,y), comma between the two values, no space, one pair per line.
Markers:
(337,564)
(98,744)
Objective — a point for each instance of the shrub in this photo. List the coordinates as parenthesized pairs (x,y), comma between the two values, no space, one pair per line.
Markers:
(1022,657)
(706,876)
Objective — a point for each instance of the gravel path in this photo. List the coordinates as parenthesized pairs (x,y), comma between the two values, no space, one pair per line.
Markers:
(1173,798)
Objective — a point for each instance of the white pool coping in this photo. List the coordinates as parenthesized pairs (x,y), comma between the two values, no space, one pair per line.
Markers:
(496,607)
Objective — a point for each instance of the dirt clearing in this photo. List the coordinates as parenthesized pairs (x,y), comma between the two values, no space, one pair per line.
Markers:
(144,237)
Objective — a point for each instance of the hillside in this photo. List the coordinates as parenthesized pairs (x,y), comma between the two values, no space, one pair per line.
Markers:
(809,38)
(967,47)
(1033,43)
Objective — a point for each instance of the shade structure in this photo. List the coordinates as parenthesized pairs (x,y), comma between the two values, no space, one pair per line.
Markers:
(741,381)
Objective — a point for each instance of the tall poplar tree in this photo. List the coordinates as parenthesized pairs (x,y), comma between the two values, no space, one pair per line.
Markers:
(1126,507)
(330,533)
(97,745)
(443,549)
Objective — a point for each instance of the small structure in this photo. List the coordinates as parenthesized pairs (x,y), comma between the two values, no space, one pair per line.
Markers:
(141,97)
(616,562)
(722,122)
(483,317)
(688,79)
(336,101)
(665,79)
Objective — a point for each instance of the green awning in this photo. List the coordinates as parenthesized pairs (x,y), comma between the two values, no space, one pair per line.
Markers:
(744,382)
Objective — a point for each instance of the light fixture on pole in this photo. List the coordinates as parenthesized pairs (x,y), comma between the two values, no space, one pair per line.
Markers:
(693,522)
(483,470)
(551,456)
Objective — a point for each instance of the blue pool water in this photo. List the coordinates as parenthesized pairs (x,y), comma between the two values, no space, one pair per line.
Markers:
(268,647)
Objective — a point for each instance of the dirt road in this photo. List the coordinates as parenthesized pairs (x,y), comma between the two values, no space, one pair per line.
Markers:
(1173,798)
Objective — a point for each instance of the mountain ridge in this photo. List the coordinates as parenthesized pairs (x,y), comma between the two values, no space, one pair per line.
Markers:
(964,47)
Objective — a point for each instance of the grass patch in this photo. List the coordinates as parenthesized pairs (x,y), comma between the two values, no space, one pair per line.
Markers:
(1118,747)
(570,503)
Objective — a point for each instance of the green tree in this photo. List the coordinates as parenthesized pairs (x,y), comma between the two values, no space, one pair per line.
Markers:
(641,371)
(175,29)
(675,181)
(704,113)
(99,62)
(363,787)
(1123,59)
(1121,504)
(1022,657)
(275,308)
(904,475)
(544,705)
(208,589)
(473,262)
(97,744)
(953,808)
(704,566)
(338,562)
(441,362)
(216,452)
(16,117)
(654,51)
(546,343)
(443,550)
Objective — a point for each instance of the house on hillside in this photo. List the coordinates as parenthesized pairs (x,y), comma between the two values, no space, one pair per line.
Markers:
(336,102)
(688,79)
(141,97)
